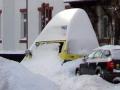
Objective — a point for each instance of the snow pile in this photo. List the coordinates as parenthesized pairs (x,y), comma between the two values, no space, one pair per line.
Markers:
(46,61)
(13,76)
(84,82)
(68,81)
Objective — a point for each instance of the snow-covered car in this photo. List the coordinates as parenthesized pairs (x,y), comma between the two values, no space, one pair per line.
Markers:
(103,61)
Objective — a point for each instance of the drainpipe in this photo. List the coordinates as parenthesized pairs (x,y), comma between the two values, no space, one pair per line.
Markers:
(27,23)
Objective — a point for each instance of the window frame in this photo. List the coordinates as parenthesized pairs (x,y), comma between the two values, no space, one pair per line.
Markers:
(23,34)
(45,15)
(0,26)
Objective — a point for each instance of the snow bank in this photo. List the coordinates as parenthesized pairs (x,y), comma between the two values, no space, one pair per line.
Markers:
(45,61)
(85,82)
(13,76)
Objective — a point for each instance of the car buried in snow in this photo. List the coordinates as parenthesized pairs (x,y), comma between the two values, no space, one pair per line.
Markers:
(103,61)
(67,29)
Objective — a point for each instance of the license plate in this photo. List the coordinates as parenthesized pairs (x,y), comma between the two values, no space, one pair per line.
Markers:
(117,71)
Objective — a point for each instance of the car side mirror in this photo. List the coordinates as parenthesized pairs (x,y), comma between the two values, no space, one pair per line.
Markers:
(85,58)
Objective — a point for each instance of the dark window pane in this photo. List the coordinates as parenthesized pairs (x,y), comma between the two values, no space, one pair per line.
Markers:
(25,25)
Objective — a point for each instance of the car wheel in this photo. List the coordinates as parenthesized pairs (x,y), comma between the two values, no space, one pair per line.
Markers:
(78,71)
(116,80)
(99,72)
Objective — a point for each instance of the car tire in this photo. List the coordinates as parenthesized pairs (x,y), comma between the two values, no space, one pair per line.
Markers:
(99,72)
(116,81)
(77,71)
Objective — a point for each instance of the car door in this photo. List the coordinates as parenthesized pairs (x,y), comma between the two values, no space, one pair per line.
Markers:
(104,58)
(94,60)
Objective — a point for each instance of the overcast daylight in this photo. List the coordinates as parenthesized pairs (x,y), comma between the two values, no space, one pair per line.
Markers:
(59,45)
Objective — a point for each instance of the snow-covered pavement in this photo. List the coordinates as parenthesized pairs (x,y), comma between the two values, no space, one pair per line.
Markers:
(46,72)
(45,61)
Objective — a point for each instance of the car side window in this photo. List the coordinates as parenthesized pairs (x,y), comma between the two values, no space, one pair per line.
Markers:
(91,55)
(95,54)
(106,54)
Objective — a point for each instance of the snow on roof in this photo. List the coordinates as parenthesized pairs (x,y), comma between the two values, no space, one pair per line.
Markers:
(109,47)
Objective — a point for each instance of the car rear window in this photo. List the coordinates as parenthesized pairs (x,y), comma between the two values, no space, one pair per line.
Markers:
(116,54)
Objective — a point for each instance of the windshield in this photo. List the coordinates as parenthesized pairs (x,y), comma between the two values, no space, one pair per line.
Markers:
(116,54)
(92,54)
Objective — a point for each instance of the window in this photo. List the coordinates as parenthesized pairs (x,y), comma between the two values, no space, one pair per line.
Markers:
(0,27)
(45,14)
(23,24)
(106,54)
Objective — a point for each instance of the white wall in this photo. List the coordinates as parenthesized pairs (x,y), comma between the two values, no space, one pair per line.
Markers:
(1,8)
(8,25)
(33,20)
(12,24)
(19,5)
(11,21)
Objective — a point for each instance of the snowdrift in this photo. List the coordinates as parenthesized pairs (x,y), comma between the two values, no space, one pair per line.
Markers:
(45,60)
(63,75)
(14,76)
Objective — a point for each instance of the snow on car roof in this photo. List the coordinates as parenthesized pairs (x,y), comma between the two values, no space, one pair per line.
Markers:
(108,47)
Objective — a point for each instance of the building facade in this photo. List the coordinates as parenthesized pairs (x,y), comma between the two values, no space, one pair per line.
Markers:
(21,21)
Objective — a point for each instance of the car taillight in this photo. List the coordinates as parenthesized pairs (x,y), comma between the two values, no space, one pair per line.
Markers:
(110,65)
